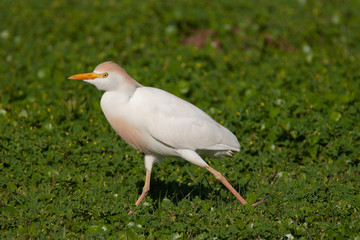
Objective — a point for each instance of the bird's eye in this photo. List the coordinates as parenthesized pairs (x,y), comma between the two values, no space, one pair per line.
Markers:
(105,75)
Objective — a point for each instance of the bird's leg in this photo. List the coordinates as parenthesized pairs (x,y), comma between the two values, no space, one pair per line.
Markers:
(149,161)
(223,180)
(145,189)
(193,157)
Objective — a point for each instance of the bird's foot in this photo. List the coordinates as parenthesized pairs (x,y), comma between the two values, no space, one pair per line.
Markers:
(260,202)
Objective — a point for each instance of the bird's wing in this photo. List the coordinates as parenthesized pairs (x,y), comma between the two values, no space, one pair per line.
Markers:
(179,124)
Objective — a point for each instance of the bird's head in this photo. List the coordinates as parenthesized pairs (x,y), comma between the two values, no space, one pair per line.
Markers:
(108,76)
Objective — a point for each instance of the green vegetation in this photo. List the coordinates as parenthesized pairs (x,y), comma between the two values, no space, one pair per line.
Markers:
(282,75)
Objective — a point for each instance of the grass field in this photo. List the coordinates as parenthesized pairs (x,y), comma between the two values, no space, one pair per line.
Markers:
(282,75)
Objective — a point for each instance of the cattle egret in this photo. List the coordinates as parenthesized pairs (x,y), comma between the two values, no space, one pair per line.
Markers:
(160,124)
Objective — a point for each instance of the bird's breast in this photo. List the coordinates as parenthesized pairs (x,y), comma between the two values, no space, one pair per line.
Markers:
(116,110)
(130,133)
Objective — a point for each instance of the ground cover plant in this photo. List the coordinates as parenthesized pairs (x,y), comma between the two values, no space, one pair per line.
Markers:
(282,75)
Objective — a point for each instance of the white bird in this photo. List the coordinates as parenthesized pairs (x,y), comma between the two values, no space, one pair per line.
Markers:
(159,124)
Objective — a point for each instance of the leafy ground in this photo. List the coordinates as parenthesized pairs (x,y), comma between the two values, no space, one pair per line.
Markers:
(282,75)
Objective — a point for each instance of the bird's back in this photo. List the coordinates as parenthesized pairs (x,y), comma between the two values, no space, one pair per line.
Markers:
(179,124)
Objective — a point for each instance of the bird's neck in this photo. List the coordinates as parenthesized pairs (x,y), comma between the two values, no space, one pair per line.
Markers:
(121,95)
(128,85)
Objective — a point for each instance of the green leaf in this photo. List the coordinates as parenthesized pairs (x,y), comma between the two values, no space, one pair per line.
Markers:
(94,229)
(314,139)
(9,209)
(335,116)
(286,124)
(294,134)
(274,111)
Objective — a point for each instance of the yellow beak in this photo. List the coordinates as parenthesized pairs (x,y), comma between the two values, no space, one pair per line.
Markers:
(85,76)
